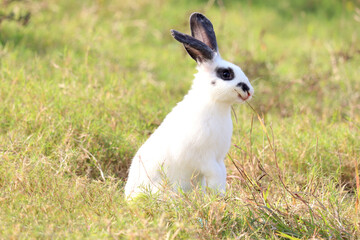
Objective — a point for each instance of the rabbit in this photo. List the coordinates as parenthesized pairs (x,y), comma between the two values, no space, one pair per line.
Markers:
(189,147)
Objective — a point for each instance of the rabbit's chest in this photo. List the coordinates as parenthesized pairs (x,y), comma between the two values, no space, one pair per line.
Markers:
(218,137)
(198,134)
(210,136)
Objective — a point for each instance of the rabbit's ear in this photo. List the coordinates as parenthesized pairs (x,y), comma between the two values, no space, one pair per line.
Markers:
(198,50)
(203,30)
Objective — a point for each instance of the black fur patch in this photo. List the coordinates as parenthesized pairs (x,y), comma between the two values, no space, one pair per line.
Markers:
(226,74)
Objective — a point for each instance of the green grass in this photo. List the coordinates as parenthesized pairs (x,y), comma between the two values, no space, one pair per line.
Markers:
(85,83)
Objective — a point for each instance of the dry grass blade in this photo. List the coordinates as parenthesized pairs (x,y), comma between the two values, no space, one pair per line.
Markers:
(357,193)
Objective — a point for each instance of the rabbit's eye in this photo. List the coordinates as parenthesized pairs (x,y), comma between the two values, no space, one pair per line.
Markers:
(225,73)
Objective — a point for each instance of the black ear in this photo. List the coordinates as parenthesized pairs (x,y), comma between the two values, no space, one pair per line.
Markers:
(203,30)
(198,50)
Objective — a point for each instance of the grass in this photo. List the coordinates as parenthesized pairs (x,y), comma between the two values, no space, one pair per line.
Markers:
(85,83)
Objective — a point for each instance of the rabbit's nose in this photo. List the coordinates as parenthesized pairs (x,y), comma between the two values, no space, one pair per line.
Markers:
(243,86)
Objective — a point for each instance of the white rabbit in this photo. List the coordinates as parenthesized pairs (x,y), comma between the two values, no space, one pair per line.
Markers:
(189,147)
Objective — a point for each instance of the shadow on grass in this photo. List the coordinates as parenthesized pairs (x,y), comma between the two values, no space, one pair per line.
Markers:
(104,156)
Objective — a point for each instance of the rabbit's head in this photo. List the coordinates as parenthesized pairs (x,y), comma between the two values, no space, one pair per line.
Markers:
(224,81)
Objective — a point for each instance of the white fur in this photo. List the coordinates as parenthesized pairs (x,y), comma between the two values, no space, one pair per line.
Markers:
(190,145)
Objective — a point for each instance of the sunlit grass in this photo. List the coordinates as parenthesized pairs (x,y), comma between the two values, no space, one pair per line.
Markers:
(85,83)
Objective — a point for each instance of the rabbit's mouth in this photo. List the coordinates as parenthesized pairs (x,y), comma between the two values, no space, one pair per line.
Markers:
(244,98)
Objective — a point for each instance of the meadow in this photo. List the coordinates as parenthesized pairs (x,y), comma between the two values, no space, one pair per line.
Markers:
(84,84)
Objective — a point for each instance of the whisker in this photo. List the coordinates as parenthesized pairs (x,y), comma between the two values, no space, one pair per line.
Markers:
(255,79)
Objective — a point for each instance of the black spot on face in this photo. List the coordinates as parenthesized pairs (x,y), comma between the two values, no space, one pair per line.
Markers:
(226,74)
(243,86)
(213,83)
